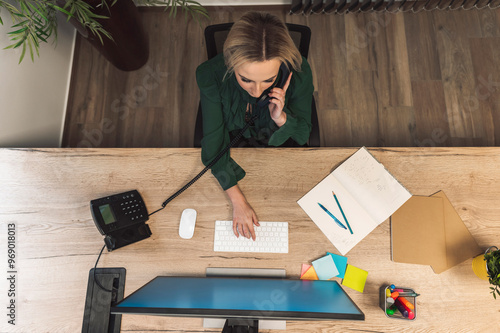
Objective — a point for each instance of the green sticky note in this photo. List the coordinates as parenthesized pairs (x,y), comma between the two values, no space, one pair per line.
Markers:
(355,278)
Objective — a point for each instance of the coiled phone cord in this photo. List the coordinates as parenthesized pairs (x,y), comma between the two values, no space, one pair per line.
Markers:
(209,165)
(185,187)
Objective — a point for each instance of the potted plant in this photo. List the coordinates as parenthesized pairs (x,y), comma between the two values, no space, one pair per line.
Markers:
(112,26)
(487,267)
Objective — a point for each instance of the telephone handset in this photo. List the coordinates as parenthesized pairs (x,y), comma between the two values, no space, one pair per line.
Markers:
(264,99)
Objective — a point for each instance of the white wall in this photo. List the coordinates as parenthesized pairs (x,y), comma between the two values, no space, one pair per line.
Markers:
(33,95)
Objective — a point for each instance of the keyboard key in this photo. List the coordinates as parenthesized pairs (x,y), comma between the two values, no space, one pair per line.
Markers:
(271,237)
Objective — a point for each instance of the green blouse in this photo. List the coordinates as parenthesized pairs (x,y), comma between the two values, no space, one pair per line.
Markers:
(224,103)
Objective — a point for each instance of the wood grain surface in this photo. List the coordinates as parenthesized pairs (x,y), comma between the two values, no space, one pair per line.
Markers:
(367,67)
(46,194)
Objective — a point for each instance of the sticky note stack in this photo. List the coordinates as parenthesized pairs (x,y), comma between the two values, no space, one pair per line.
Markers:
(334,265)
(355,278)
(340,262)
(308,273)
(325,268)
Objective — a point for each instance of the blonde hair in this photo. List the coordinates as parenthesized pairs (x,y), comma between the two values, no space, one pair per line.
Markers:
(259,37)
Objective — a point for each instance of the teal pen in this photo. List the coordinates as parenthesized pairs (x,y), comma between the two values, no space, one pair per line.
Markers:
(340,207)
(333,217)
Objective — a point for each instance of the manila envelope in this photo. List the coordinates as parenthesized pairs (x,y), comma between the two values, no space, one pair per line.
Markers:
(429,231)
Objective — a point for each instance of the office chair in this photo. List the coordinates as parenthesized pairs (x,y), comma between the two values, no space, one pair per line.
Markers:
(215,36)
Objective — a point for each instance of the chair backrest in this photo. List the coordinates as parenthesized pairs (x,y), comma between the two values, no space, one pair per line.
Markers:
(215,36)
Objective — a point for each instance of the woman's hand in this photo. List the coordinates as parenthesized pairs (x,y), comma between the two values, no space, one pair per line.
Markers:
(277,103)
(244,216)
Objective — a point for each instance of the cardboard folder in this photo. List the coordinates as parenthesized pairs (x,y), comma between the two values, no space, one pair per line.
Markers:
(429,231)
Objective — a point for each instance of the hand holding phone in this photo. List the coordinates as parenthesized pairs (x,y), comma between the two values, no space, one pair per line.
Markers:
(265,99)
(277,103)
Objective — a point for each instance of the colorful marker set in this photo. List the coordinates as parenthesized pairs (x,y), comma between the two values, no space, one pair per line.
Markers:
(399,303)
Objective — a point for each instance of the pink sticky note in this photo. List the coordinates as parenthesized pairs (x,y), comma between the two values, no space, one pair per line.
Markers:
(305,267)
(310,274)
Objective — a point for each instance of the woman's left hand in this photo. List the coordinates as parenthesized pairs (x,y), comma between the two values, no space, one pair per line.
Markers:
(277,103)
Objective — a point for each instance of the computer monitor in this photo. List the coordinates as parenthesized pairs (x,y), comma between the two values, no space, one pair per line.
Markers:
(241,298)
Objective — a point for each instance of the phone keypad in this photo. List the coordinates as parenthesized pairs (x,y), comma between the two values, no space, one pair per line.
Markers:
(132,208)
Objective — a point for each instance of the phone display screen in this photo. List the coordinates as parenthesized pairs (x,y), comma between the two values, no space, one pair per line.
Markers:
(107,214)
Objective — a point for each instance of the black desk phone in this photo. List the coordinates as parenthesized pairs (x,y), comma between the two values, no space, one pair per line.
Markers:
(121,218)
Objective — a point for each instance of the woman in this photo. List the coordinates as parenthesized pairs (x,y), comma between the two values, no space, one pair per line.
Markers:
(230,86)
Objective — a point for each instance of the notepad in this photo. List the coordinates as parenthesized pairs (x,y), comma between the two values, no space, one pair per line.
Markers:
(340,263)
(429,231)
(355,278)
(304,269)
(310,274)
(325,268)
(367,193)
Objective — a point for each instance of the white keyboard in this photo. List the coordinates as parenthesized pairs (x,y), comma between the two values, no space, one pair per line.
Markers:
(271,237)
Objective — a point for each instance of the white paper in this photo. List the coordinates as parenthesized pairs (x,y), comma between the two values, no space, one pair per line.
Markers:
(361,223)
(367,193)
(375,189)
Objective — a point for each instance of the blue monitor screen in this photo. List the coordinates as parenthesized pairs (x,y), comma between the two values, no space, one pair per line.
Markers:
(255,298)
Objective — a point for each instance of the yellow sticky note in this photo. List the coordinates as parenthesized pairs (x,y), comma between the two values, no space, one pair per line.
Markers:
(310,274)
(355,278)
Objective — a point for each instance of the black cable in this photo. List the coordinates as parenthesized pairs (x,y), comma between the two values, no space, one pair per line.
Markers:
(156,211)
(95,266)
(208,166)
(185,187)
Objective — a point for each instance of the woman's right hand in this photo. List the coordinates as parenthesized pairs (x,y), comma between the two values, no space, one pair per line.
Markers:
(244,217)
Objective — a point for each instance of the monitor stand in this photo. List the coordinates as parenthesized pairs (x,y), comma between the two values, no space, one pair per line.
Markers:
(240,326)
(245,272)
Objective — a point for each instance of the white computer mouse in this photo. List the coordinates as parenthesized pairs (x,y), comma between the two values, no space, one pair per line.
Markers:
(187,223)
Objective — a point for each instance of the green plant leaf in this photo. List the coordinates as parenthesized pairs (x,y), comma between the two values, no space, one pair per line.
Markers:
(35,21)
(24,8)
(18,31)
(22,53)
(31,50)
(62,10)
(33,7)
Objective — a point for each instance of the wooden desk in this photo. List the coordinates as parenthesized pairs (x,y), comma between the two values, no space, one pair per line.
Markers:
(46,194)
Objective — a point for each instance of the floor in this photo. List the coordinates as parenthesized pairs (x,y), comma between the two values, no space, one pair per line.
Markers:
(381,79)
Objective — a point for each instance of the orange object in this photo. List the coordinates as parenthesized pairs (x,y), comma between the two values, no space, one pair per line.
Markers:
(395,294)
(406,303)
(310,274)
